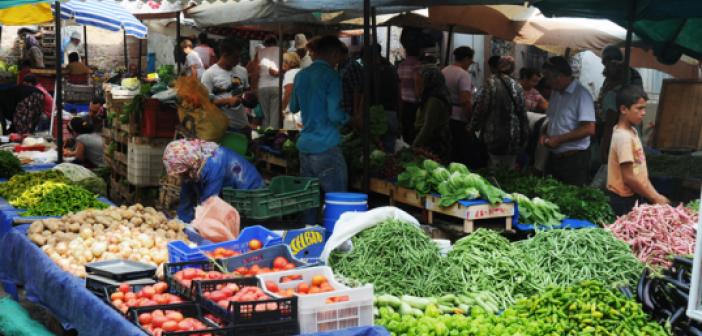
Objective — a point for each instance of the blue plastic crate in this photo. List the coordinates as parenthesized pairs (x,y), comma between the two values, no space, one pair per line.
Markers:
(307,243)
(38,167)
(179,251)
(567,223)
(262,258)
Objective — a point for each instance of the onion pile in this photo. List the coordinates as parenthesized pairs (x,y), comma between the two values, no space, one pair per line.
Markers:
(134,233)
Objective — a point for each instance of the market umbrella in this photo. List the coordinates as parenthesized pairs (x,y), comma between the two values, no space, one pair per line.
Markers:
(26,14)
(105,14)
(672,27)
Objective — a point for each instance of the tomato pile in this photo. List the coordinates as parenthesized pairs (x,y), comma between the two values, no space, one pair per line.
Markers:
(186,276)
(319,284)
(124,298)
(231,292)
(221,253)
(279,264)
(159,321)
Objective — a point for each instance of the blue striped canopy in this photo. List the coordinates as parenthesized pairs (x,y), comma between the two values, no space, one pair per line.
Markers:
(105,14)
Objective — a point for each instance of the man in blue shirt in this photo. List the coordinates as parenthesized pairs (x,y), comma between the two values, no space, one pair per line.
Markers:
(317,93)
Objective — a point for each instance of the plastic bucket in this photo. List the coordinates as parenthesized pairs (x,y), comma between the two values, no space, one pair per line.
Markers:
(336,204)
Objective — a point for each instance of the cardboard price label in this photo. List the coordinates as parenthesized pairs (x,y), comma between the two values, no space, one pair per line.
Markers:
(486,211)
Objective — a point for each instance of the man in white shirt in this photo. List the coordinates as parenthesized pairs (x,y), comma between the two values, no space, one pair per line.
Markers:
(226,81)
(193,63)
(268,95)
(571,114)
(460,86)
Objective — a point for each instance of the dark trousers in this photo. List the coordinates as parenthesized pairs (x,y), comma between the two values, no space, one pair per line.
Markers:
(570,168)
(622,205)
(407,117)
(459,139)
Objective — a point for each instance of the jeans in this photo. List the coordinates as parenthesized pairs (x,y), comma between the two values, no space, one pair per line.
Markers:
(330,168)
(573,169)
(269,100)
(623,205)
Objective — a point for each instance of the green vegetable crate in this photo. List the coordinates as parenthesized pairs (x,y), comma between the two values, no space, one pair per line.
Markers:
(285,195)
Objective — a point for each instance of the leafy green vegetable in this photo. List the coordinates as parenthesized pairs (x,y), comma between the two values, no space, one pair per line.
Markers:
(9,165)
(694,205)
(537,211)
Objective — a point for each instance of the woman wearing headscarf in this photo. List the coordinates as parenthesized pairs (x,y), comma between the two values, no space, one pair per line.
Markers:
(34,54)
(205,168)
(500,116)
(432,119)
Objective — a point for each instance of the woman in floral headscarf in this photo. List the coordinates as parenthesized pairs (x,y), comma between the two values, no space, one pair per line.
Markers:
(205,168)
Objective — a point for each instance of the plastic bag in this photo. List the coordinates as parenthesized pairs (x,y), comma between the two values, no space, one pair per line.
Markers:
(197,113)
(351,223)
(216,220)
(74,172)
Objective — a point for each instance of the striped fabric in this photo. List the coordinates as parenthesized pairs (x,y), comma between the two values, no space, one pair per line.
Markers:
(105,14)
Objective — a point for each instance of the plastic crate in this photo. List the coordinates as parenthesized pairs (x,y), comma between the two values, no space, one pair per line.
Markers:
(176,287)
(285,195)
(179,251)
(315,314)
(158,120)
(188,310)
(107,292)
(144,164)
(262,258)
(251,313)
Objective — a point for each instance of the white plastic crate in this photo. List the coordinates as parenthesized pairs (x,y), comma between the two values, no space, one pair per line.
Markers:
(144,164)
(314,313)
(694,303)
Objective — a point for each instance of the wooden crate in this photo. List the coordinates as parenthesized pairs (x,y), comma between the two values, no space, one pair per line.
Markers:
(679,116)
(408,196)
(472,215)
(382,187)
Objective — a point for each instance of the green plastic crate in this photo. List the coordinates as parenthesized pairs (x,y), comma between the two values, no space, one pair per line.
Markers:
(285,195)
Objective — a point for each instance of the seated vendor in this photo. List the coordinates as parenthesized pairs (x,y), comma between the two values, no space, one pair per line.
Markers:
(76,72)
(88,149)
(205,168)
(627,174)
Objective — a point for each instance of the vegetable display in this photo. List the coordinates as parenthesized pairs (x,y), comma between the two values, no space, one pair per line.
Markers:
(453,184)
(537,211)
(10,165)
(134,233)
(19,183)
(656,232)
(394,256)
(584,309)
(694,206)
(575,202)
(124,297)
(447,304)
(56,199)
(484,261)
(570,256)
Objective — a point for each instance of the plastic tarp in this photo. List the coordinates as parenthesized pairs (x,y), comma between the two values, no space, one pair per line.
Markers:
(672,27)
(63,294)
(360,331)
(29,14)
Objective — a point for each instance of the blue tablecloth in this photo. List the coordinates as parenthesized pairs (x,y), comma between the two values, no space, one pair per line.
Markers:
(567,223)
(64,295)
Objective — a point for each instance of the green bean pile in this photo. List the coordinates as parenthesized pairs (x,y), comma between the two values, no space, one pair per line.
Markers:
(394,256)
(571,256)
(486,261)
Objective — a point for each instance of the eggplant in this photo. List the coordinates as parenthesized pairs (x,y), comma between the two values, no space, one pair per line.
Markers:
(693,331)
(682,261)
(676,283)
(641,284)
(677,315)
(646,297)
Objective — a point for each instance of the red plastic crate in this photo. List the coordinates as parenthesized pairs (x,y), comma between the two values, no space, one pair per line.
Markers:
(158,120)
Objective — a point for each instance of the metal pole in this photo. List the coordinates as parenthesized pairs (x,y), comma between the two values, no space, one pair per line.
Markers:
(178,36)
(387,42)
(126,51)
(139,60)
(448,44)
(629,34)
(280,74)
(58,94)
(85,44)
(367,76)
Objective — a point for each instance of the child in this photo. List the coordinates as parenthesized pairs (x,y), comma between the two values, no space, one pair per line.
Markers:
(627,178)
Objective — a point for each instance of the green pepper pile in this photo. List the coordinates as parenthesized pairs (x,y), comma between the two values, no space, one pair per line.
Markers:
(63,199)
(587,308)
(10,165)
(19,183)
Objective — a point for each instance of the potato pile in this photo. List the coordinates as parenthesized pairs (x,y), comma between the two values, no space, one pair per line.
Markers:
(134,233)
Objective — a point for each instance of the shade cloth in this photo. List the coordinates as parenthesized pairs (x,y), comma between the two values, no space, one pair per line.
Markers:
(105,14)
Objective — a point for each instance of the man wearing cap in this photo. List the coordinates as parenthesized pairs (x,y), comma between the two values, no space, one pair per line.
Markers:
(571,124)
(301,50)
(74,46)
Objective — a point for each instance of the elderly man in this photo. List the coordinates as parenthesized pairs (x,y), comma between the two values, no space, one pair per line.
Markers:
(571,114)
(73,46)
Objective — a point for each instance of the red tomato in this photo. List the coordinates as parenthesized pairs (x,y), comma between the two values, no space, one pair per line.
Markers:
(145,318)
(161,287)
(129,296)
(318,280)
(272,286)
(214,275)
(242,270)
(314,290)
(117,296)
(303,288)
(234,287)
(175,316)
(289,266)
(189,274)
(170,326)
(227,292)
(229,253)
(161,299)
(279,263)
(117,303)
(132,303)
(223,303)
(255,244)
(157,312)
(255,269)
(158,320)
(186,325)
(148,292)
(124,288)
(217,296)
